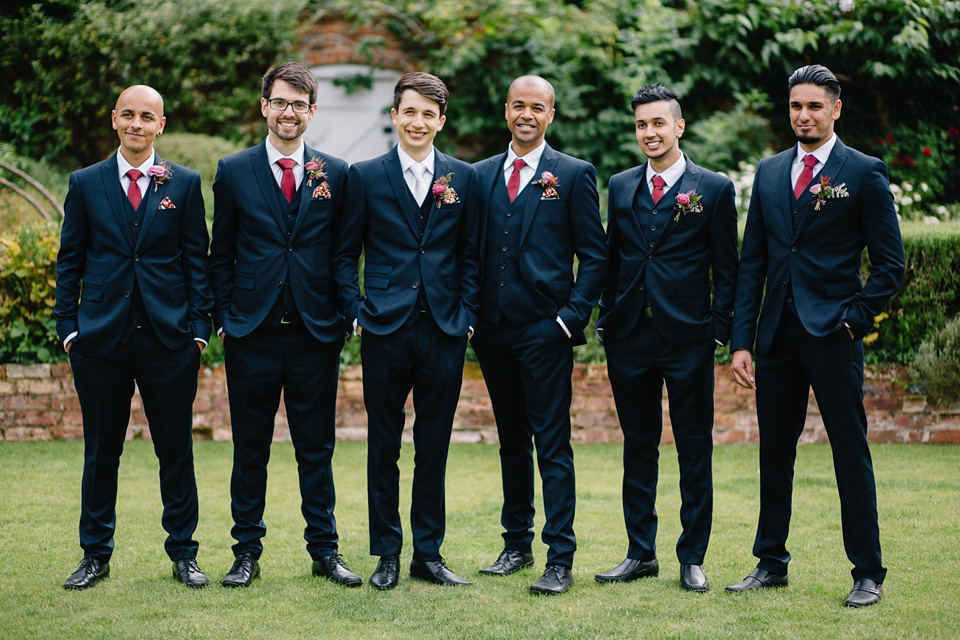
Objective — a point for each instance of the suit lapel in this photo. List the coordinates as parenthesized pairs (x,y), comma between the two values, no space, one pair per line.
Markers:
(265,178)
(781,176)
(440,168)
(688,182)
(494,172)
(628,196)
(109,173)
(306,192)
(154,197)
(831,169)
(548,161)
(401,193)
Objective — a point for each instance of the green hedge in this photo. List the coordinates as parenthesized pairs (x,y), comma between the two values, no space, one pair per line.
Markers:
(929,297)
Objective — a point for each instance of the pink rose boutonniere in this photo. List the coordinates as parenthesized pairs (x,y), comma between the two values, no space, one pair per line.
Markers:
(823,191)
(160,173)
(549,183)
(688,202)
(442,192)
(314,171)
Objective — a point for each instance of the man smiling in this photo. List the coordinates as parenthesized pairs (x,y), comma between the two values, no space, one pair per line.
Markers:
(413,213)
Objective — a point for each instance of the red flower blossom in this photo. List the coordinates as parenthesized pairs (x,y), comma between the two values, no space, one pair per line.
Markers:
(953,131)
(927,152)
(890,138)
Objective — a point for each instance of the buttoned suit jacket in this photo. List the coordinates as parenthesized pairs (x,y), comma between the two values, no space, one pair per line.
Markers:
(820,261)
(99,259)
(251,254)
(380,221)
(674,275)
(553,232)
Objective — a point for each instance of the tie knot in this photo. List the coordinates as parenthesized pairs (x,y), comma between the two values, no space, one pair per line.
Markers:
(658,182)
(286,163)
(134,174)
(418,170)
(810,160)
(519,164)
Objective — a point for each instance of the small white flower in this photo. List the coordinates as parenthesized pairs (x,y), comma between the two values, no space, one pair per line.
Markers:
(931,220)
(907,186)
(846,5)
(906,201)
(942,210)
(924,186)
(895,189)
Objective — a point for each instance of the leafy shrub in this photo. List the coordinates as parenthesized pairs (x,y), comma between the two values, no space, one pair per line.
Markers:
(28,270)
(937,365)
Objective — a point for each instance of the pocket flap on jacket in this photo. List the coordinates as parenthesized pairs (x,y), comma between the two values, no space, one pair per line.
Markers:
(89,294)
(375,283)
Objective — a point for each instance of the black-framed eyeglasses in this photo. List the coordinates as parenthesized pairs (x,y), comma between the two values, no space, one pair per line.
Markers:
(279,104)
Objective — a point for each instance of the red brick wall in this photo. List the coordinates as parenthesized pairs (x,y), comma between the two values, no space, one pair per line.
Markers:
(39,402)
(336,41)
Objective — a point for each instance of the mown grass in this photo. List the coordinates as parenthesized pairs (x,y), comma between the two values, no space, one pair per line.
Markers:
(919,495)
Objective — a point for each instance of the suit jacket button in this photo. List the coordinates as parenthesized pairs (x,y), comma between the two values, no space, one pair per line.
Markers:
(641,286)
(126,294)
(136,258)
(136,223)
(290,247)
(793,248)
(504,249)
(651,244)
(502,283)
(422,251)
(279,283)
(415,285)
(509,213)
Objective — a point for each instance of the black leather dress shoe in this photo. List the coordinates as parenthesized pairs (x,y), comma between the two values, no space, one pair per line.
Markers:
(89,572)
(510,561)
(556,579)
(332,568)
(387,574)
(692,578)
(437,572)
(865,592)
(759,579)
(188,572)
(630,569)
(245,568)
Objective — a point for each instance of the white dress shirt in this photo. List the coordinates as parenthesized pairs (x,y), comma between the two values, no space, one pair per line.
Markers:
(406,162)
(822,153)
(671,176)
(529,170)
(297,156)
(144,181)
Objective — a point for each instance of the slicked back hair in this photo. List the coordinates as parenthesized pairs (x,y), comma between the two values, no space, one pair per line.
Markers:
(816,74)
(294,74)
(655,92)
(427,85)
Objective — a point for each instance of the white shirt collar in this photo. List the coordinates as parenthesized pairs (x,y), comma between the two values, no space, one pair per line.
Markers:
(273,154)
(672,174)
(123,166)
(406,161)
(822,153)
(532,158)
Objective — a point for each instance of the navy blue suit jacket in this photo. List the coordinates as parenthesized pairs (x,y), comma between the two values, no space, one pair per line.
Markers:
(98,260)
(251,254)
(820,262)
(379,220)
(553,232)
(673,276)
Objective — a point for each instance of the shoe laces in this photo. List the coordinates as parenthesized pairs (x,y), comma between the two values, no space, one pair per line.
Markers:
(88,564)
(556,570)
(239,562)
(189,564)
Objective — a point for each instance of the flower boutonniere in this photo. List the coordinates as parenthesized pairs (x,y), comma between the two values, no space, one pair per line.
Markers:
(549,183)
(688,202)
(823,191)
(160,173)
(314,171)
(442,192)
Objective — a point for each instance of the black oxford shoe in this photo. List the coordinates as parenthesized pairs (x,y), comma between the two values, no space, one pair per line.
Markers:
(556,579)
(437,572)
(510,561)
(387,574)
(245,568)
(759,579)
(89,572)
(865,592)
(630,569)
(332,568)
(188,572)
(693,578)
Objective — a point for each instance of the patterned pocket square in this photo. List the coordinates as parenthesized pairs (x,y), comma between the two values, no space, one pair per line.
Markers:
(167,203)
(550,193)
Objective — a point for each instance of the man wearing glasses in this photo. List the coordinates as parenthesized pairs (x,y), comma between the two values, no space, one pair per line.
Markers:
(276,210)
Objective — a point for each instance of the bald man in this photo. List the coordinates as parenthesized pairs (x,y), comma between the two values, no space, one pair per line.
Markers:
(133,303)
(539,209)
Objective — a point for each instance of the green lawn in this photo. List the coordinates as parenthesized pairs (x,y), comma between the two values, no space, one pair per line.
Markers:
(919,495)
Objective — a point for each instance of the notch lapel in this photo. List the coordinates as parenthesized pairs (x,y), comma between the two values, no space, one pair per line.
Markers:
(688,182)
(831,169)
(306,192)
(264,175)
(784,189)
(154,197)
(440,167)
(548,161)
(391,166)
(109,173)
(628,195)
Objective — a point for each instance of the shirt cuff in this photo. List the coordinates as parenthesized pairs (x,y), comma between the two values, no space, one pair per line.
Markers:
(719,344)
(200,340)
(564,327)
(69,338)
(355,327)
(220,333)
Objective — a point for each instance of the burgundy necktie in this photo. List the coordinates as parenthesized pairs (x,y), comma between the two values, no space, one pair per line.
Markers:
(658,185)
(809,162)
(133,191)
(287,183)
(513,184)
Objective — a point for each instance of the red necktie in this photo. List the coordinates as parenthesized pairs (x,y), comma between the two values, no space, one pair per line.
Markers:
(287,183)
(133,191)
(809,161)
(658,185)
(513,184)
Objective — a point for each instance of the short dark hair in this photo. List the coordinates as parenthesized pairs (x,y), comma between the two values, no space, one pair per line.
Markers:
(427,85)
(816,74)
(655,92)
(294,74)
